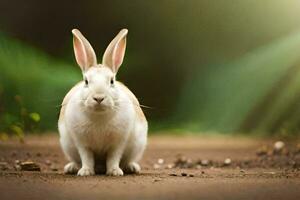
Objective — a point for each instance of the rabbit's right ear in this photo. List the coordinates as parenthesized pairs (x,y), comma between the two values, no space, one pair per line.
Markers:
(114,53)
(84,52)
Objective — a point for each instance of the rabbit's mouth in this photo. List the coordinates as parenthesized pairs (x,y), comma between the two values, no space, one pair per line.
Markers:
(99,107)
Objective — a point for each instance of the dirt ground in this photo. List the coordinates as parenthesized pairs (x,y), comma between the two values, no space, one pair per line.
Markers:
(174,167)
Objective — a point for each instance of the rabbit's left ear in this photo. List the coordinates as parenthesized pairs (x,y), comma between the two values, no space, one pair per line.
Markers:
(84,52)
(114,53)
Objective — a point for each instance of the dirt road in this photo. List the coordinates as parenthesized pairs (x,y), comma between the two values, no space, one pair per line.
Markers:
(174,167)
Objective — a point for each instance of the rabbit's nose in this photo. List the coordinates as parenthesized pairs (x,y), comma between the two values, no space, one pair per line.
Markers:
(98,98)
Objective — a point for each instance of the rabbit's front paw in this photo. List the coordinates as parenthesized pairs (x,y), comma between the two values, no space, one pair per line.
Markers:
(115,172)
(85,171)
(133,168)
(71,168)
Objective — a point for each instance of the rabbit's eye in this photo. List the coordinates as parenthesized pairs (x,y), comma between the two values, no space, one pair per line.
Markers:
(86,82)
(112,81)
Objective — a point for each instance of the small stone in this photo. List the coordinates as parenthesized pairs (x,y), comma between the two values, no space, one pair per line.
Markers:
(170,166)
(184,174)
(160,161)
(204,162)
(48,162)
(17,162)
(202,172)
(242,171)
(191,175)
(198,166)
(227,161)
(17,167)
(173,174)
(278,146)
(183,162)
(29,166)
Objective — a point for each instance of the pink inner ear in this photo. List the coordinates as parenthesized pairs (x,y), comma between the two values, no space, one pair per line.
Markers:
(119,54)
(79,53)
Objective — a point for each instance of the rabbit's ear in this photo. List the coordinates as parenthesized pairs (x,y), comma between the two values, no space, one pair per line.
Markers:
(114,53)
(84,52)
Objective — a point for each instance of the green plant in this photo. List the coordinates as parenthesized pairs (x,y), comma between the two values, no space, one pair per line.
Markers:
(17,123)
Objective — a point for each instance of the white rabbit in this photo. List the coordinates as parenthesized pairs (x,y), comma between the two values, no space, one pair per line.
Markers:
(101,120)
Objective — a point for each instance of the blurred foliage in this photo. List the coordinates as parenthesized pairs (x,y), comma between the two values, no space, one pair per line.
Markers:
(257,92)
(32,87)
(18,123)
(225,66)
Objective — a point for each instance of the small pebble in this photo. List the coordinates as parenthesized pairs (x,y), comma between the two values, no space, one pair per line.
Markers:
(204,162)
(170,166)
(183,174)
(279,145)
(160,161)
(191,175)
(17,167)
(48,162)
(173,174)
(227,161)
(29,166)
(183,162)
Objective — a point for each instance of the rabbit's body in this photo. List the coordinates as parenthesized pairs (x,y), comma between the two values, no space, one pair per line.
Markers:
(111,132)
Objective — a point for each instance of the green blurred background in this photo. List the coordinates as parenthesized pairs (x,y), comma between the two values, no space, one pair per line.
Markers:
(201,65)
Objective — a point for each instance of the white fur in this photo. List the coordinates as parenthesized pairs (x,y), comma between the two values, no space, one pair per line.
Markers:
(114,136)
(111,133)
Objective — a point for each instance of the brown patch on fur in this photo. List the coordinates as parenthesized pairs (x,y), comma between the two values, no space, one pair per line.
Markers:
(134,100)
(67,99)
